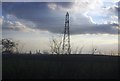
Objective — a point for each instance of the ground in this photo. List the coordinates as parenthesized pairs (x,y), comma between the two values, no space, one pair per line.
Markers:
(44,66)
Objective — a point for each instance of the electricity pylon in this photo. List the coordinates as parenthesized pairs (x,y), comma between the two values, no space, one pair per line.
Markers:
(66,39)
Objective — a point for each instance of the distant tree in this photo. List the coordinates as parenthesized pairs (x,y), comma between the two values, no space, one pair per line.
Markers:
(77,50)
(30,52)
(94,49)
(56,46)
(20,47)
(113,52)
(38,52)
(8,45)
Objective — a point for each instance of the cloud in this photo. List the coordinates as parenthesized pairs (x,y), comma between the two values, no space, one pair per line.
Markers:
(60,6)
(84,23)
(50,17)
(96,8)
(13,23)
(113,10)
(76,6)
(95,29)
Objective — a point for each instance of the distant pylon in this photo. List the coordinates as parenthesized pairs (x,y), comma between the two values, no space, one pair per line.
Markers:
(66,39)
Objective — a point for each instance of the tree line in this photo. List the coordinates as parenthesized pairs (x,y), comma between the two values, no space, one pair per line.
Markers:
(10,46)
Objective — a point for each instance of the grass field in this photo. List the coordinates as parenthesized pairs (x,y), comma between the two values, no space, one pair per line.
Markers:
(23,66)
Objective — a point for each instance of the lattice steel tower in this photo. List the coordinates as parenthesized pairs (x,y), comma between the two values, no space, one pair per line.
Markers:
(66,39)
